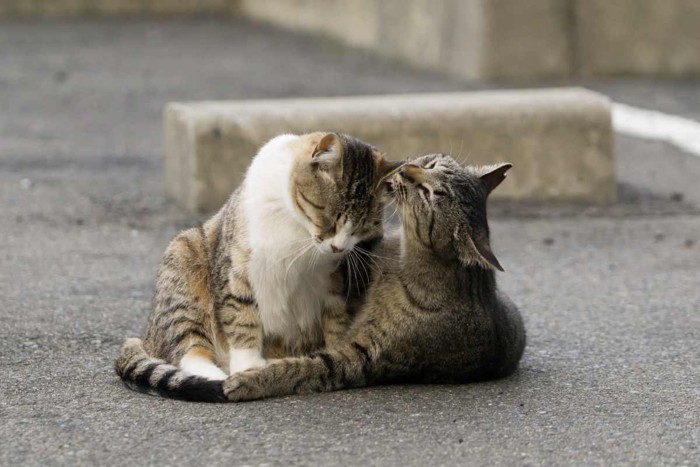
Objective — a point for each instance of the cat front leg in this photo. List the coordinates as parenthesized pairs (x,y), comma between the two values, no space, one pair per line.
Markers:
(277,378)
(244,359)
(239,322)
(321,372)
(336,321)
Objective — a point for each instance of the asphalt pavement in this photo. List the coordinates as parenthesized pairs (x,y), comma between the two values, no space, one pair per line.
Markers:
(610,295)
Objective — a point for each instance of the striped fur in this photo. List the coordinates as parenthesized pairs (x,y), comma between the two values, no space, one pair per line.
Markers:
(234,290)
(159,378)
(433,312)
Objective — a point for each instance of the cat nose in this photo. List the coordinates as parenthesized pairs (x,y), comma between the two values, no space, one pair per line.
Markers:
(335,249)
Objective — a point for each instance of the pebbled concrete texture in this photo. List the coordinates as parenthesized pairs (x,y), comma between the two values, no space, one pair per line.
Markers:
(610,294)
(559,139)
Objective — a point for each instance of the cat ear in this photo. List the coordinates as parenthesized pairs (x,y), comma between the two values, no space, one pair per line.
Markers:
(327,150)
(385,168)
(494,175)
(475,250)
(388,168)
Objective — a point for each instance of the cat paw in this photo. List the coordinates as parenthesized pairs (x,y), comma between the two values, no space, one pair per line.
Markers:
(244,359)
(241,387)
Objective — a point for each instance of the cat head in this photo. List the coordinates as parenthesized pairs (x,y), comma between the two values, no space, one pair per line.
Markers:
(336,190)
(443,207)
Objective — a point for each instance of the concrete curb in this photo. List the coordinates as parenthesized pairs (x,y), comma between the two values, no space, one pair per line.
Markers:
(559,140)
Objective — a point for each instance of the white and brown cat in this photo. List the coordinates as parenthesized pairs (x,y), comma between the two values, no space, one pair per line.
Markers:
(263,275)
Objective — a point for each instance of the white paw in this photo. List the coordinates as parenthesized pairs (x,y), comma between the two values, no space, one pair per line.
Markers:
(214,373)
(244,359)
(200,367)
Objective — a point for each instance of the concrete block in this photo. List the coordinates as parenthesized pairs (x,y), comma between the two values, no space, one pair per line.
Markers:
(472,38)
(413,30)
(560,140)
(524,39)
(353,22)
(479,39)
(117,8)
(638,36)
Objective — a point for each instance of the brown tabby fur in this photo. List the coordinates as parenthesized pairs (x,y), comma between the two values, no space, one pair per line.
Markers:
(204,303)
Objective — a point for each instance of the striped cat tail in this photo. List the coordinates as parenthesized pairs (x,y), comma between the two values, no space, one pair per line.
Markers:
(154,376)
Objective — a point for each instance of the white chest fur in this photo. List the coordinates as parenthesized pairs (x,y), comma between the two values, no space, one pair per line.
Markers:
(289,275)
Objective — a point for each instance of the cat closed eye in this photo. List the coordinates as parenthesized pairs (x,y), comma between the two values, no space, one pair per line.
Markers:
(431,196)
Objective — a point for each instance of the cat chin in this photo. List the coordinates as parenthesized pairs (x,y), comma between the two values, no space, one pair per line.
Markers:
(333,256)
(326,250)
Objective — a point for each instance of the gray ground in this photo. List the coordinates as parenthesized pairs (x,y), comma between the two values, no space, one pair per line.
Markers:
(611,296)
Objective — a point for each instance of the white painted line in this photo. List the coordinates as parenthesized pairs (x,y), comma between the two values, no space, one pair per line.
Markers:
(683,133)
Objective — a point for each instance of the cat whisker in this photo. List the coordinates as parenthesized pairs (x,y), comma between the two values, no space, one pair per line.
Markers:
(301,253)
(356,270)
(374,255)
(360,276)
(314,259)
(299,241)
(359,262)
(375,265)
(347,265)
(302,247)
(367,253)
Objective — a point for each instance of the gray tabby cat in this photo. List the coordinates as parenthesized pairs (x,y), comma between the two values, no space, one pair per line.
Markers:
(433,312)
